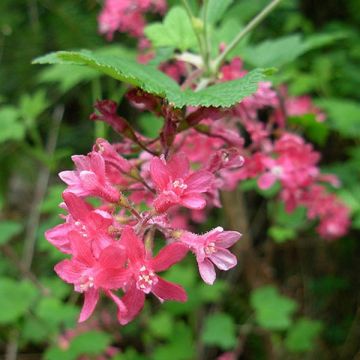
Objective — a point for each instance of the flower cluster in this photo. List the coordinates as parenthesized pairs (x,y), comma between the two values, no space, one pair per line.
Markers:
(111,245)
(127,16)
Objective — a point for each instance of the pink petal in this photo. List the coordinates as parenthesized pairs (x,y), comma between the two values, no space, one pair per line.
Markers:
(266,180)
(159,173)
(166,290)
(207,271)
(226,239)
(97,163)
(193,201)
(112,257)
(178,166)
(135,247)
(168,256)
(112,279)
(199,181)
(89,181)
(81,248)
(69,177)
(69,270)
(164,201)
(57,236)
(90,300)
(134,301)
(223,259)
(77,207)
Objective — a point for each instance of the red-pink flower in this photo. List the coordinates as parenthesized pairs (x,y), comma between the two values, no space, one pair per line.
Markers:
(89,223)
(211,249)
(142,277)
(90,274)
(90,178)
(176,186)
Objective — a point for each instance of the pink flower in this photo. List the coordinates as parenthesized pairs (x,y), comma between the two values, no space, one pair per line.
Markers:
(90,274)
(211,249)
(89,223)
(142,278)
(175,186)
(90,178)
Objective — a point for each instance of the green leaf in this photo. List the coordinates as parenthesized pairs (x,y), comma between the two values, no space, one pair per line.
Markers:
(16,298)
(281,234)
(294,220)
(175,31)
(344,116)
(161,325)
(272,310)
(32,105)
(11,127)
(150,124)
(90,343)
(155,82)
(302,335)
(286,49)
(216,10)
(219,329)
(9,229)
(315,130)
(180,347)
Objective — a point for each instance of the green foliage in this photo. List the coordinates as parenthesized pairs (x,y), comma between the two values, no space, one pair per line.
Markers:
(91,343)
(9,229)
(281,234)
(217,9)
(16,299)
(286,49)
(272,310)
(344,116)
(155,82)
(31,106)
(11,127)
(302,335)
(175,31)
(219,329)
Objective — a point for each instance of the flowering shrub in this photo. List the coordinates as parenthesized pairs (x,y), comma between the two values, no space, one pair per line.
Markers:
(208,179)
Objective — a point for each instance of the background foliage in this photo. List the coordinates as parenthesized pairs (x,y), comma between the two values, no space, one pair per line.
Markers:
(311,308)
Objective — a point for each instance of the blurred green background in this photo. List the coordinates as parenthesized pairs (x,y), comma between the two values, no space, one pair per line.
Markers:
(312,310)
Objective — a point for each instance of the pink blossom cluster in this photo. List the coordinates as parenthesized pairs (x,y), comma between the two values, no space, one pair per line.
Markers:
(127,16)
(111,244)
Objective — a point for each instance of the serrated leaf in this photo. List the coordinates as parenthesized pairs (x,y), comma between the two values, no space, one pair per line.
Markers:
(175,31)
(302,335)
(16,298)
(272,310)
(8,229)
(219,329)
(155,82)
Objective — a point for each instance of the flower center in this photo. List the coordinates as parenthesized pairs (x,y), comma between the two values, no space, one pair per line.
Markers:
(81,228)
(146,279)
(277,170)
(86,283)
(210,248)
(179,184)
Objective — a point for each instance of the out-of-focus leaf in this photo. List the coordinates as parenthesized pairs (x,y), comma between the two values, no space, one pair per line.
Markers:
(180,347)
(32,105)
(314,130)
(150,124)
(272,310)
(302,335)
(216,9)
(175,31)
(161,325)
(8,229)
(15,300)
(219,329)
(281,234)
(11,127)
(52,200)
(344,116)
